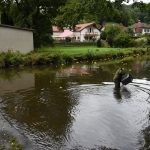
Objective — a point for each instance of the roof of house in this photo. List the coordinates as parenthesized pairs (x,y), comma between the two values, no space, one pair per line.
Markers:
(80,27)
(140,24)
(14,27)
(56,29)
(66,33)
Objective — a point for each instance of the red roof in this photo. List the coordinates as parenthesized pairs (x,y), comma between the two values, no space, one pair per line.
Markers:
(80,27)
(140,25)
(56,29)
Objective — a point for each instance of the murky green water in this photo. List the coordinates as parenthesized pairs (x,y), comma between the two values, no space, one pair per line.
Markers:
(76,107)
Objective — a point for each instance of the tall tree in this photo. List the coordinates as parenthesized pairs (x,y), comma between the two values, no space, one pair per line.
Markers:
(36,14)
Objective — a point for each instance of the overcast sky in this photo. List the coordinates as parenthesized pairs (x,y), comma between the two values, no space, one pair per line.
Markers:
(131,1)
(145,1)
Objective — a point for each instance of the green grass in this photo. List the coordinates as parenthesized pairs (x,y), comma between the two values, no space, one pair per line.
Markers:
(67,55)
(80,51)
(83,50)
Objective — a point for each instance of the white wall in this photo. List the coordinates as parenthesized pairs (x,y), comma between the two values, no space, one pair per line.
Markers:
(77,35)
(86,31)
(146,30)
(55,35)
(12,38)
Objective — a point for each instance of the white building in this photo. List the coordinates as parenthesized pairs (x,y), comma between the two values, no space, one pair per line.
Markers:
(82,33)
(140,28)
(17,39)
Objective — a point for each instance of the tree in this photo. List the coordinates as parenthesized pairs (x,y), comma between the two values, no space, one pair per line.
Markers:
(111,30)
(70,14)
(5,9)
(122,40)
(100,11)
(36,14)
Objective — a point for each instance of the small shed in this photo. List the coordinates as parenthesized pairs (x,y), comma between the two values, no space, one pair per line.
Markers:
(17,39)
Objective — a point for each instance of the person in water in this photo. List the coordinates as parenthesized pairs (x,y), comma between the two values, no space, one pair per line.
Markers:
(117,77)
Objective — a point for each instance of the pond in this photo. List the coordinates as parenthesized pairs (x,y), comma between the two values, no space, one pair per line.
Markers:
(77,107)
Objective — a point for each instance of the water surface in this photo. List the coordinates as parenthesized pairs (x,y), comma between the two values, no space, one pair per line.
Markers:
(77,107)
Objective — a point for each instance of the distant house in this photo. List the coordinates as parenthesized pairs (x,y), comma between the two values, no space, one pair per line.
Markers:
(56,32)
(14,38)
(82,32)
(140,28)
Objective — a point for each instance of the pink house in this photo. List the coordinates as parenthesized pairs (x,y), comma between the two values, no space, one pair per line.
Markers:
(82,32)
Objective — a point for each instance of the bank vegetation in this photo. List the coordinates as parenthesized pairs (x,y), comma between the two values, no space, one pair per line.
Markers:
(67,55)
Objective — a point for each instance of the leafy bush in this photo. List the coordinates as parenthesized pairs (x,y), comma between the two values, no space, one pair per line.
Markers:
(141,42)
(57,59)
(103,35)
(122,40)
(129,31)
(111,30)
(98,43)
(90,56)
(68,39)
(68,59)
(148,40)
(11,58)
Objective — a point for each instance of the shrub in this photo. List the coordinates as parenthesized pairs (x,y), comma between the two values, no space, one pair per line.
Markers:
(98,43)
(57,59)
(11,58)
(141,42)
(103,35)
(111,31)
(68,59)
(129,31)
(68,39)
(104,43)
(122,40)
(148,40)
(90,56)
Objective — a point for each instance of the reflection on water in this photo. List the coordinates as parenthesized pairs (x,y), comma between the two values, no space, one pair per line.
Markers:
(122,92)
(77,107)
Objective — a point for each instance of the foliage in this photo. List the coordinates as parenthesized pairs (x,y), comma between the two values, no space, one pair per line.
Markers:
(103,35)
(63,55)
(31,14)
(111,30)
(70,14)
(77,11)
(90,55)
(129,31)
(68,39)
(148,40)
(10,59)
(99,43)
(141,42)
(42,14)
(122,40)
(12,144)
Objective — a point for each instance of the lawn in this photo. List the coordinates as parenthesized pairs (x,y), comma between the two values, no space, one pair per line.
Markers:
(67,55)
(80,51)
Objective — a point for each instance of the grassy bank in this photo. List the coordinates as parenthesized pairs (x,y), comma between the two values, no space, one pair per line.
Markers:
(81,51)
(67,55)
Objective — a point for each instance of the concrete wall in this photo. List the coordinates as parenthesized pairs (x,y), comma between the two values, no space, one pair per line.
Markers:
(12,38)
